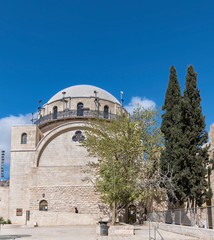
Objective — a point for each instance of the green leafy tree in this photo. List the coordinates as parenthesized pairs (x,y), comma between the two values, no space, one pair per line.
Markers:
(123,147)
(195,158)
(171,127)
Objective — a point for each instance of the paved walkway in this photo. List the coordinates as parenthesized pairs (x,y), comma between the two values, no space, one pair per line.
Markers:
(80,233)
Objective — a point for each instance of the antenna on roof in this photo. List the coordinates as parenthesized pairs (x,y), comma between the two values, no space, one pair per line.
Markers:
(121,98)
(2,163)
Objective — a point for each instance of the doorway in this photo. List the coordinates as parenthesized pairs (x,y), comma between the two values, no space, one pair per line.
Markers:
(131,214)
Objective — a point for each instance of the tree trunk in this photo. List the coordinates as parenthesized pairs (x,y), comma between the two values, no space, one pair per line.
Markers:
(113,213)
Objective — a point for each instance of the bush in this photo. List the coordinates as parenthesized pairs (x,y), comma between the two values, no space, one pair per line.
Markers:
(2,221)
(8,221)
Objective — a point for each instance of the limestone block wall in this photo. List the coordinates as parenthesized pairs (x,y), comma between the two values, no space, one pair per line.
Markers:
(21,163)
(66,198)
(4,196)
(63,151)
(212,186)
(53,170)
(61,176)
(33,137)
(211,135)
(62,218)
(20,175)
(211,142)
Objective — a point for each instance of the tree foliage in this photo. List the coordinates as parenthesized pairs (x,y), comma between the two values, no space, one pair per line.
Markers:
(127,148)
(171,127)
(196,158)
(183,126)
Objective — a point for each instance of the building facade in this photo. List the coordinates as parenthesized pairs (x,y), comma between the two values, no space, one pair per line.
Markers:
(48,162)
(211,153)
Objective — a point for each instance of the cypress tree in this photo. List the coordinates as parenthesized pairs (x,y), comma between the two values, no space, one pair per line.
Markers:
(195,158)
(171,127)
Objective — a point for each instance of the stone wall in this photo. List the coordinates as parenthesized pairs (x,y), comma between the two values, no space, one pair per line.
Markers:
(61,218)
(66,198)
(4,195)
(21,163)
(211,151)
(63,151)
(60,176)
(51,169)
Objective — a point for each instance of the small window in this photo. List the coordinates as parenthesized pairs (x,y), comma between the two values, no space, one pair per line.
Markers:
(55,110)
(80,109)
(24,138)
(43,205)
(106,111)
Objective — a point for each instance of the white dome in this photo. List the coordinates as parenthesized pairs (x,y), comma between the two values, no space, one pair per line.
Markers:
(79,91)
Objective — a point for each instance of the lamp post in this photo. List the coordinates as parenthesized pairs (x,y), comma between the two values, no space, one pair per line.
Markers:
(121,97)
(96,100)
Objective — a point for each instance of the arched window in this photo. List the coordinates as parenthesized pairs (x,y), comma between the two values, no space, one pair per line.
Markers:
(24,138)
(43,205)
(55,110)
(80,109)
(106,111)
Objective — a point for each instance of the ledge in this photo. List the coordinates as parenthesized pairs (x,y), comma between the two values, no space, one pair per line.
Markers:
(201,233)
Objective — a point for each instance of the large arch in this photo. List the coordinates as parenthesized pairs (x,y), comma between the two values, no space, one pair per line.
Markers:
(54,133)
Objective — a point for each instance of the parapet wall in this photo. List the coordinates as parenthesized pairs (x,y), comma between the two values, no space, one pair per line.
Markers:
(200,233)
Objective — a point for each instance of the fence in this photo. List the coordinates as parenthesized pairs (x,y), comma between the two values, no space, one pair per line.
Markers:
(202,217)
(74,113)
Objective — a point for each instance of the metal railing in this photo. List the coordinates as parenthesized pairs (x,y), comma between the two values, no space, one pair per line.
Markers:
(155,231)
(73,113)
(202,217)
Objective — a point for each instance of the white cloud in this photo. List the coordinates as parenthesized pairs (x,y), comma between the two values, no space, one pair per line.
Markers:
(135,101)
(5,133)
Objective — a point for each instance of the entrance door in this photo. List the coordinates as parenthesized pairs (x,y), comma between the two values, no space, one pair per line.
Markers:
(132,214)
(27,216)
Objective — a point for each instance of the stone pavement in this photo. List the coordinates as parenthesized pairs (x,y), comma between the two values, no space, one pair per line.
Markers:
(81,233)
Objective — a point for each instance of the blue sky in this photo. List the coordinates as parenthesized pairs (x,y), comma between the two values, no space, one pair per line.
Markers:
(49,45)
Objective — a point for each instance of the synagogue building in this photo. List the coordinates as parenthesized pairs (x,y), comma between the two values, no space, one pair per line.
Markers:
(47,161)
